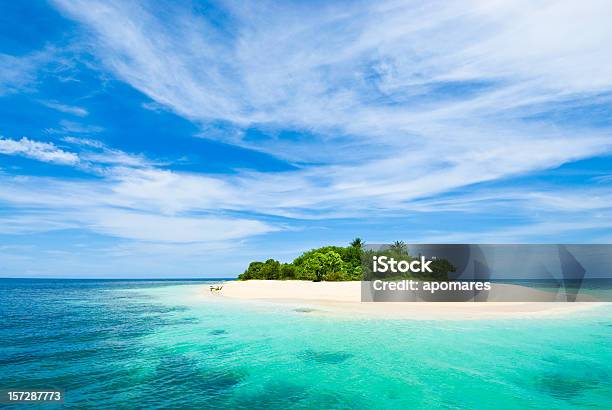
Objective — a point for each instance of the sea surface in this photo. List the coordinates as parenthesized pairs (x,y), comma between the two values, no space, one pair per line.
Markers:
(160,344)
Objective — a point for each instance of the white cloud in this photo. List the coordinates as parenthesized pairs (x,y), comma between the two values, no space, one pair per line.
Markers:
(42,151)
(87,142)
(22,73)
(373,81)
(134,182)
(17,74)
(97,152)
(71,127)
(546,231)
(165,207)
(158,228)
(68,109)
(33,222)
(93,155)
(103,207)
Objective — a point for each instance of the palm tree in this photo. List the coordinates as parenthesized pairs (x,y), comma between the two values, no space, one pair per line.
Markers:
(399,247)
(357,243)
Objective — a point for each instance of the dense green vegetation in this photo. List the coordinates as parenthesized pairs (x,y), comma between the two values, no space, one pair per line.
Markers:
(337,263)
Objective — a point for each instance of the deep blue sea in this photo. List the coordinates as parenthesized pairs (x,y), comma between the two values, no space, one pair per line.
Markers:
(158,344)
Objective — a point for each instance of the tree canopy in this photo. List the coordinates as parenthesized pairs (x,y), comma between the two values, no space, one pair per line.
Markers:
(338,263)
(329,263)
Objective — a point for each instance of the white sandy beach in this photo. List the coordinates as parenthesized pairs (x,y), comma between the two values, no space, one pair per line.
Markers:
(344,298)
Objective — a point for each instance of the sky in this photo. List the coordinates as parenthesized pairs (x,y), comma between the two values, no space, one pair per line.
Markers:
(186,138)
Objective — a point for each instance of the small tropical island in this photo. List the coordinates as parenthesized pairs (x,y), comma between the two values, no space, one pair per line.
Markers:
(329,280)
(338,263)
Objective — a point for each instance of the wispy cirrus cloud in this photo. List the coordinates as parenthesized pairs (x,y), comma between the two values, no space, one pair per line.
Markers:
(42,151)
(96,152)
(88,154)
(151,204)
(72,127)
(23,73)
(42,204)
(169,208)
(375,82)
(68,109)
(18,73)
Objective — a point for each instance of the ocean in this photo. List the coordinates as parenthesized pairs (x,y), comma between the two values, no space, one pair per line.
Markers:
(156,344)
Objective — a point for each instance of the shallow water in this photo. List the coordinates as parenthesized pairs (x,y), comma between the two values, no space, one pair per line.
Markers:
(155,344)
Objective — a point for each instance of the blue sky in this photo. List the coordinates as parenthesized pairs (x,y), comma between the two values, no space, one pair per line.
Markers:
(184,139)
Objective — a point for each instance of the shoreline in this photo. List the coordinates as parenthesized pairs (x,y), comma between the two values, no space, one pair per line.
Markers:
(343,299)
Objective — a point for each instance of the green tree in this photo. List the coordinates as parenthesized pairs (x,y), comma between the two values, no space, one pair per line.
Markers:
(319,265)
(332,263)
(357,243)
(399,248)
(288,271)
(352,272)
(252,272)
(271,269)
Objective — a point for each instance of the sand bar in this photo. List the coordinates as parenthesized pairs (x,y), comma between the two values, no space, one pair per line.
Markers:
(344,299)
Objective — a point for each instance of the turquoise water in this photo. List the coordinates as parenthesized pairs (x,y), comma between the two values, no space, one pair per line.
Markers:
(156,344)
